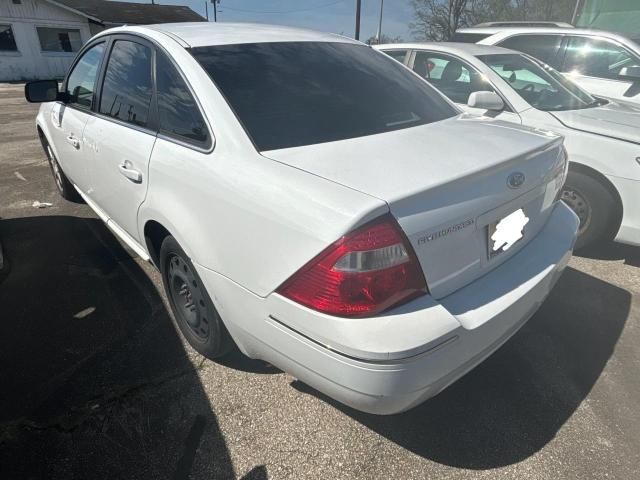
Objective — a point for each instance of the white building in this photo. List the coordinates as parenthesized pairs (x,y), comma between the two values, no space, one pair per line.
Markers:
(40,38)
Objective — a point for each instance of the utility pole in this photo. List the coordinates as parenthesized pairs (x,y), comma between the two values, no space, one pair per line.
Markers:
(358,6)
(206,8)
(379,34)
(215,10)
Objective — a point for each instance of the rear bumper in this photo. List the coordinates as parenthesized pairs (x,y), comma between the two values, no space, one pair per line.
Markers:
(429,344)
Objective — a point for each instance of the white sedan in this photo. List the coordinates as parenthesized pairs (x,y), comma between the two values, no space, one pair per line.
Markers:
(375,243)
(602,136)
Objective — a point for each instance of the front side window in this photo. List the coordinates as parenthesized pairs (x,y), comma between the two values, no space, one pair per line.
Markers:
(539,84)
(455,79)
(127,88)
(288,94)
(7,40)
(543,47)
(597,58)
(82,79)
(59,39)
(178,111)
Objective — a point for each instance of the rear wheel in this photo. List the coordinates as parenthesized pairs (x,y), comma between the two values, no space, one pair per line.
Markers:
(64,186)
(192,308)
(595,206)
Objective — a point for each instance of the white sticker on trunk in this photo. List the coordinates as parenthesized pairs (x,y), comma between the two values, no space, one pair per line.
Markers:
(508,231)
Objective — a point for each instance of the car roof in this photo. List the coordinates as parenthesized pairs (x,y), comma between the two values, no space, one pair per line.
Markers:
(572,30)
(459,48)
(199,34)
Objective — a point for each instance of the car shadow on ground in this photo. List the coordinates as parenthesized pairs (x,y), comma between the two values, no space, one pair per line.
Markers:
(613,251)
(514,403)
(95,380)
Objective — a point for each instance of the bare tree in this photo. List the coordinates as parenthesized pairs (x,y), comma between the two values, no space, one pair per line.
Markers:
(439,19)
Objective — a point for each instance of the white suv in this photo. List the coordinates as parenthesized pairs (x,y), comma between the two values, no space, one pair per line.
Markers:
(372,241)
(603,63)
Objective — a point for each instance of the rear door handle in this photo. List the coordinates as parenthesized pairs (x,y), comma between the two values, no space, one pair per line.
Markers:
(126,169)
(73,141)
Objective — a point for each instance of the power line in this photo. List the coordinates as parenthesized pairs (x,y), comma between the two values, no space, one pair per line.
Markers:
(283,11)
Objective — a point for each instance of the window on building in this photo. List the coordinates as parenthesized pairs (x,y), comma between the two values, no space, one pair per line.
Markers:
(126,91)
(7,41)
(179,114)
(59,39)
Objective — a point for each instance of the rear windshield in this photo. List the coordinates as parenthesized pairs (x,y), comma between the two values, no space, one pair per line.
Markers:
(289,94)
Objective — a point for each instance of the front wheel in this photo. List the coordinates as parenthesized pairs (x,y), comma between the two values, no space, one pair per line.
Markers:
(595,206)
(194,312)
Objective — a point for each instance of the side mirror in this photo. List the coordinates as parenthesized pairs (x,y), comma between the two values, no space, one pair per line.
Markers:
(630,73)
(486,101)
(41,91)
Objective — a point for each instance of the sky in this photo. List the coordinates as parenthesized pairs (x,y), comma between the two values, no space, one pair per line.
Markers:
(336,16)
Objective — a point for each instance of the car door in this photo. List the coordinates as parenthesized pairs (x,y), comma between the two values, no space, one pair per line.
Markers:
(457,80)
(122,133)
(68,119)
(595,64)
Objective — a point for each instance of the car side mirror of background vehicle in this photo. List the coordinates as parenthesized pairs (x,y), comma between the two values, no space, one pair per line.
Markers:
(630,73)
(42,91)
(486,100)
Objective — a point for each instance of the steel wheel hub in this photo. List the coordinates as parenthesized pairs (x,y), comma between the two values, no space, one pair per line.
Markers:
(188,297)
(579,204)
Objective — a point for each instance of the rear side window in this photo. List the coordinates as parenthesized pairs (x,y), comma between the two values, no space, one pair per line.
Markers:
(127,88)
(178,111)
(597,58)
(469,37)
(289,94)
(398,55)
(455,79)
(543,47)
(82,79)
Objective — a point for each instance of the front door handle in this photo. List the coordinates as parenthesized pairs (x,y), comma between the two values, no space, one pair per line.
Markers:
(73,141)
(126,169)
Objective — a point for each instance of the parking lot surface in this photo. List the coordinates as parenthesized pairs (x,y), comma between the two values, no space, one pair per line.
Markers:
(96,382)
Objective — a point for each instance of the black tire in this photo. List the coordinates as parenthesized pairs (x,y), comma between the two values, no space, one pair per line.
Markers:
(595,206)
(64,186)
(193,310)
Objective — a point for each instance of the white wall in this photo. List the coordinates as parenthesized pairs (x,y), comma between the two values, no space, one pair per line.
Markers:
(30,62)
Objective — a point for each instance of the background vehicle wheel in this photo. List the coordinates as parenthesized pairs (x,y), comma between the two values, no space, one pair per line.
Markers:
(66,189)
(192,308)
(595,206)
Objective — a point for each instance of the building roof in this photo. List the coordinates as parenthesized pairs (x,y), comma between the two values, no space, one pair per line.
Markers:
(120,13)
(227,33)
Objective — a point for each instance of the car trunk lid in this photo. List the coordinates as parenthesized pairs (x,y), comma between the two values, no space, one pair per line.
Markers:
(446,183)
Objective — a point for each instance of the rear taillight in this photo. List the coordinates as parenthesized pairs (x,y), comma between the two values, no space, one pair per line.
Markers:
(365,272)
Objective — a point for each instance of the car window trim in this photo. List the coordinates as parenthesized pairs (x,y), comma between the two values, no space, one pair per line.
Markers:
(79,55)
(508,107)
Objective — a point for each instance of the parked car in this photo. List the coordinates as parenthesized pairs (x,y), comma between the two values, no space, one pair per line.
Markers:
(602,136)
(374,242)
(603,63)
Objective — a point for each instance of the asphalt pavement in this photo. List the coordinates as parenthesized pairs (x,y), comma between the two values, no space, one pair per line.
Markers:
(96,382)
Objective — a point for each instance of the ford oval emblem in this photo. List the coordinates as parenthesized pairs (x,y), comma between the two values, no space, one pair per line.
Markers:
(515,180)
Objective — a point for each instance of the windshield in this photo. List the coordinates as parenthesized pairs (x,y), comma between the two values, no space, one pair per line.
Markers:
(289,94)
(539,84)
